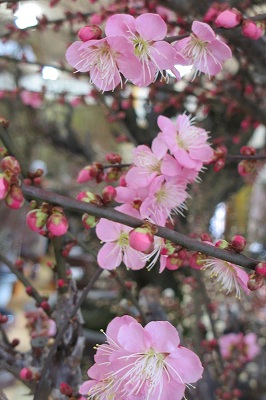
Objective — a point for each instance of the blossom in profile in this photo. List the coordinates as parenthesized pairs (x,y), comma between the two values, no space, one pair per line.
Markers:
(104,59)
(231,277)
(141,363)
(146,33)
(116,247)
(186,142)
(237,344)
(203,49)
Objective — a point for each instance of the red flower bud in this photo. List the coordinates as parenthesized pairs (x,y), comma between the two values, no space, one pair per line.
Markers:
(261,269)
(222,244)
(219,164)
(247,150)
(89,221)
(15,342)
(11,164)
(251,30)
(66,389)
(238,243)
(29,291)
(3,319)
(89,197)
(45,305)
(36,220)
(57,224)
(113,158)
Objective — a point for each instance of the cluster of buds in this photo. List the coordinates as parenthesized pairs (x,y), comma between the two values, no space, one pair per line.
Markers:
(9,183)
(34,178)
(237,244)
(232,18)
(39,324)
(47,220)
(219,158)
(247,167)
(176,255)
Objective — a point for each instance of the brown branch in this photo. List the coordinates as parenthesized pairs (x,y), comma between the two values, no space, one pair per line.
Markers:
(239,157)
(42,382)
(31,192)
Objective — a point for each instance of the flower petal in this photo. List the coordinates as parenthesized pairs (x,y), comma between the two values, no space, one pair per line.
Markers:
(165,338)
(109,256)
(151,26)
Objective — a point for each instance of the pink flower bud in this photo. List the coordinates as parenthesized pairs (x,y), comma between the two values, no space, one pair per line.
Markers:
(66,389)
(4,186)
(89,32)
(87,174)
(141,239)
(57,224)
(251,30)
(173,262)
(45,305)
(11,164)
(89,197)
(14,198)
(26,374)
(229,19)
(238,243)
(108,194)
(197,260)
(36,220)
(255,282)
(261,269)
(89,221)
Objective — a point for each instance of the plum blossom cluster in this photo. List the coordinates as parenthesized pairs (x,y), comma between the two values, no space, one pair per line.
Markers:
(239,346)
(135,48)
(154,189)
(141,363)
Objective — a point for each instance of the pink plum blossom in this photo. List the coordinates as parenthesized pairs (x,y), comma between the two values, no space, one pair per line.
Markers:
(203,49)
(116,248)
(32,99)
(236,344)
(165,196)
(104,59)
(231,277)
(186,142)
(146,33)
(141,363)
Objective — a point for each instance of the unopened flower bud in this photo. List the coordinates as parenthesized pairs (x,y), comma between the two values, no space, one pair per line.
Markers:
(113,158)
(173,262)
(89,197)
(45,305)
(14,198)
(36,219)
(15,342)
(247,150)
(89,32)
(61,283)
(29,291)
(89,221)
(26,374)
(4,122)
(246,167)
(238,243)
(108,194)
(261,269)
(222,244)
(141,239)
(11,164)
(57,224)
(87,173)
(112,174)
(255,282)
(229,19)
(251,30)
(66,389)
(219,164)
(205,237)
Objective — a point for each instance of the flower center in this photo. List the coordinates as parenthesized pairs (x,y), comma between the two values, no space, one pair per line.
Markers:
(141,47)
(123,240)
(195,48)
(180,142)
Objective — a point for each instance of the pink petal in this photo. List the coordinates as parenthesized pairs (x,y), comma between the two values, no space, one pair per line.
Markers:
(74,59)
(146,74)
(164,336)
(151,26)
(166,392)
(109,256)
(186,365)
(159,147)
(220,50)
(170,167)
(165,123)
(164,55)
(183,158)
(108,231)
(203,31)
(133,338)
(120,25)
(133,259)
(86,386)
(114,326)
